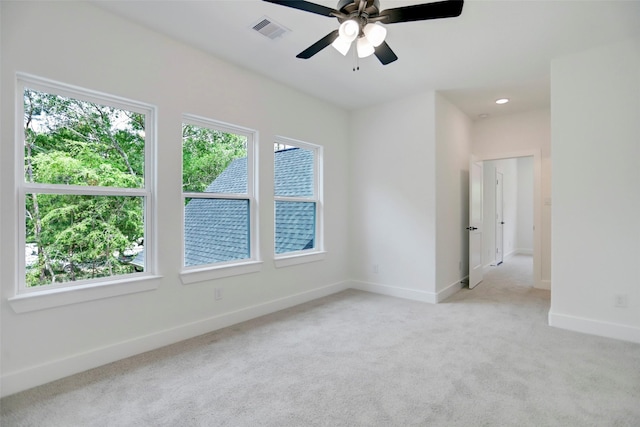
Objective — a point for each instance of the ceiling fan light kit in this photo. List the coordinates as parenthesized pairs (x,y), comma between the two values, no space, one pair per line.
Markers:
(349,30)
(341,45)
(369,37)
(365,48)
(375,33)
(360,20)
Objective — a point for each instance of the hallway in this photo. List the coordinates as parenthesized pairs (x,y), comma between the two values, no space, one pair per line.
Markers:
(509,289)
(515,270)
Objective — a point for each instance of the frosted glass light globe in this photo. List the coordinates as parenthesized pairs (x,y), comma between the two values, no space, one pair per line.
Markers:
(341,45)
(349,30)
(365,48)
(375,33)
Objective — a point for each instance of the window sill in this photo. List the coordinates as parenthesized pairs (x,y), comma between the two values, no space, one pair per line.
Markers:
(217,272)
(299,258)
(58,297)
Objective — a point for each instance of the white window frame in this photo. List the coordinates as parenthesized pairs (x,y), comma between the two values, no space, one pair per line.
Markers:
(316,253)
(199,273)
(46,296)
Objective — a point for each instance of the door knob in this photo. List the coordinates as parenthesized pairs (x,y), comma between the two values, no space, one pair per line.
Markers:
(472,228)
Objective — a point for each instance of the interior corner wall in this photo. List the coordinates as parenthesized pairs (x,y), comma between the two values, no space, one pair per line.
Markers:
(392,198)
(595,104)
(503,136)
(80,44)
(453,142)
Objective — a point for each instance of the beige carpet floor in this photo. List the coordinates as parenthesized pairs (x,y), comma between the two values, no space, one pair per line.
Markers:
(485,357)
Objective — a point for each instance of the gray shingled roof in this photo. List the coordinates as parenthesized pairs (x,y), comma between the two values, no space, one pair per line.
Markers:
(216,230)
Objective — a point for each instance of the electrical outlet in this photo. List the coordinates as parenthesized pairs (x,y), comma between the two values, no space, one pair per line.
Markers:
(621,301)
(375,269)
(217,294)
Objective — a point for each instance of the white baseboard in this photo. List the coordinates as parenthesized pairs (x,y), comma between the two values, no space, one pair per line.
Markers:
(544,284)
(15,382)
(595,327)
(412,294)
(450,290)
(394,291)
(524,251)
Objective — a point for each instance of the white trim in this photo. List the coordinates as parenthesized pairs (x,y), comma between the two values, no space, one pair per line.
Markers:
(537,203)
(317,198)
(204,195)
(14,382)
(450,290)
(523,251)
(88,190)
(395,291)
(300,257)
(189,276)
(57,297)
(594,327)
(147,192)
(295,199)
(508,255)
(202,121)
(544,284)
(71,91)
(242,266)
(495,224)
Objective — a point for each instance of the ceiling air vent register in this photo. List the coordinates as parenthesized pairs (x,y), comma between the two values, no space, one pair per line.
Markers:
(270,29)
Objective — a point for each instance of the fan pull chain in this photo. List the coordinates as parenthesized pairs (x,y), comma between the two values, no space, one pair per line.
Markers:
(356,67)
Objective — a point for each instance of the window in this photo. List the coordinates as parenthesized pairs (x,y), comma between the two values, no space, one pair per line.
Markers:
(218,194)
(85,187)
(298,198)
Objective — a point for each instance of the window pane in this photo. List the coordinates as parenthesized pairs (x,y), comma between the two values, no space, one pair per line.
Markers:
(213,161)
(73,142)
(215,230)
(295,226)
(293,170)
(72,237)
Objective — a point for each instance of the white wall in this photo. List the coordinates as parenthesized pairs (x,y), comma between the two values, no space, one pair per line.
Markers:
(509,170)
(595,104)
(453,141)
(392,198)
(409,197)
(524,233)
(517,206)
(91,48)
(511,136)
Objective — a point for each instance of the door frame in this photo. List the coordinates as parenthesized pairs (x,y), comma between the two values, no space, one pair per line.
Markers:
(499,245)
(537,204)
(476,221)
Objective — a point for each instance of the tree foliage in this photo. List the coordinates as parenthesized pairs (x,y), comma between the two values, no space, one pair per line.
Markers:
(206,153)
(73,142)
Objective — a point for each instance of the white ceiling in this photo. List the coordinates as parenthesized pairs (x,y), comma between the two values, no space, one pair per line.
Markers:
(494,49)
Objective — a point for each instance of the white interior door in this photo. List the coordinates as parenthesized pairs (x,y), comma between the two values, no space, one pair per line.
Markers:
(475,223)
(499,219)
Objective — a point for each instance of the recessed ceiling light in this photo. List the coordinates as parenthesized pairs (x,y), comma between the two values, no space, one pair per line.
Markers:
(502,100)
(483,115)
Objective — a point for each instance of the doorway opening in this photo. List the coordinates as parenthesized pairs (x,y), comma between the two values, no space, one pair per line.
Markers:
(511,213)
(508,209)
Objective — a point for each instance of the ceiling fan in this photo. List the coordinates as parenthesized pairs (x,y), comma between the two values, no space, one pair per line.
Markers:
(360,23)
